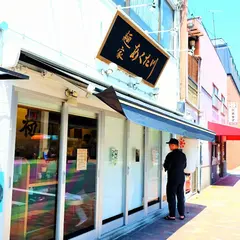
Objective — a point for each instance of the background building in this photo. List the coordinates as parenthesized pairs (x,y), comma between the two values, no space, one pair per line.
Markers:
(233,91)
(204,91)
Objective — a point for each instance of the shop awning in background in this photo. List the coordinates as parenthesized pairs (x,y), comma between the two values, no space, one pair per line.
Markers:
(148,118)
(231,133)
(6,74)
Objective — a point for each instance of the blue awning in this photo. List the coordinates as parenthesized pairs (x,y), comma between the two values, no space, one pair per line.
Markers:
(148,118)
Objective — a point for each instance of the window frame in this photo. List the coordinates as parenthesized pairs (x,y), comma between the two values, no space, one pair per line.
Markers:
(223,101)
(216,101)
(156,36)
(173,37)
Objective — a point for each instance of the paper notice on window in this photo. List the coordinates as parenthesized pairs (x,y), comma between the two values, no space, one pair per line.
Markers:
(82,155)
(155,157)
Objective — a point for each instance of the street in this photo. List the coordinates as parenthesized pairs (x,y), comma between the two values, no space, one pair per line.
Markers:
(211,215)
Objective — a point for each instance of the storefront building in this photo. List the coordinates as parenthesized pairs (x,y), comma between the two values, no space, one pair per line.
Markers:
(233,91)
(214,94)
(190,83)
(83,142)
(203,86)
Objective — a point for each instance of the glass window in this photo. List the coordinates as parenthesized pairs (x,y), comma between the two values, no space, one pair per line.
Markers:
(136,165)
(223,104)
(165,150)
(154,166)
(81,163)
(215,91)
(223,99)
(146,17)
(167,23)
(35,174)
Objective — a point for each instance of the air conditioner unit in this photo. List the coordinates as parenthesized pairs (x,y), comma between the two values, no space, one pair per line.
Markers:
(181,107)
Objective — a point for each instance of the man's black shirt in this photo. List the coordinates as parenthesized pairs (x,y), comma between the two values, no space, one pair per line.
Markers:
(175,164)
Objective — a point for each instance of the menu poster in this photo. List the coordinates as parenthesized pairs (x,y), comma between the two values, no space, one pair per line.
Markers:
(82,155)
(155,156)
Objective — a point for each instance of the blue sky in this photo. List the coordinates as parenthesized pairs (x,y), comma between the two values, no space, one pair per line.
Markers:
(227,21)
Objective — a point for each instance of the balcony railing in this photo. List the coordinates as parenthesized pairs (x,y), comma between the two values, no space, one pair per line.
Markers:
(193,68)
(192,92)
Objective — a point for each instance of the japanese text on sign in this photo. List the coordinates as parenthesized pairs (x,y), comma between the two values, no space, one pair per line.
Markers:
(133,51)
(136,54)
(233,113)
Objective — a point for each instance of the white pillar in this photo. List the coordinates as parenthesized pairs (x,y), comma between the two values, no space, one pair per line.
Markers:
(8,112)
(62,173)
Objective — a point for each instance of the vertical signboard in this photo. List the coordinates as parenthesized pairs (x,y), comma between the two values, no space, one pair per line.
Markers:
(233,113)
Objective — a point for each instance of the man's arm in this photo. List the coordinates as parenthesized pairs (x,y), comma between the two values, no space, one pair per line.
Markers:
(167,163)
(185,161)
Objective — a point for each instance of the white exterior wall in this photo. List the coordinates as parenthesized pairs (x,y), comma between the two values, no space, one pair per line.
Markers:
(70,33)
(7,140)
(66,33)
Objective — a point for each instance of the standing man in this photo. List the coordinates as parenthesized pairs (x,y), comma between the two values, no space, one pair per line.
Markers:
(175,164)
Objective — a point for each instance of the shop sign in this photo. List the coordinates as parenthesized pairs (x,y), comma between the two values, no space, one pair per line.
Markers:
(133,51)
(233,113)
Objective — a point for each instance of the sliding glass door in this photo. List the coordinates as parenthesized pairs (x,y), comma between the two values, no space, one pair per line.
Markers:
(35,174)
(81,169)
(153,166)
(165,150)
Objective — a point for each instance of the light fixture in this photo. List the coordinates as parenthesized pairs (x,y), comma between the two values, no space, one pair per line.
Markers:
(190,25)
(71,97)
(112,67)
(90,90)
(134,84)
(154,92)
(151,5)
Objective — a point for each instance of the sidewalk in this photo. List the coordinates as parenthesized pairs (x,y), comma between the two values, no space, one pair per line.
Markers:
(212,215)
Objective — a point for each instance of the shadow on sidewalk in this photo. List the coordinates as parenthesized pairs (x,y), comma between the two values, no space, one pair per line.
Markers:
(162,229)
(229,181)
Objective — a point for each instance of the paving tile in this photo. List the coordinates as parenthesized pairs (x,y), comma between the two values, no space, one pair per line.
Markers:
(211,215)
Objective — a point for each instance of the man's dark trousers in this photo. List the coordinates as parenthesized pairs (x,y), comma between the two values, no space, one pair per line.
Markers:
(174,190)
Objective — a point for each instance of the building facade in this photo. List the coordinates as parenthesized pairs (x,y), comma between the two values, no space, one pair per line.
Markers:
(233,91)
(203,86)
(84,138)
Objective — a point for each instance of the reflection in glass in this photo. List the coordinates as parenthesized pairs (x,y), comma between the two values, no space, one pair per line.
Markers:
(167,23)
(165,150)
(35,175)
(81,176)
(154,166)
